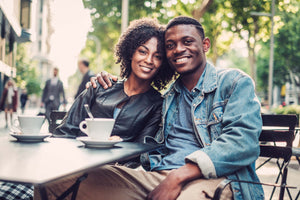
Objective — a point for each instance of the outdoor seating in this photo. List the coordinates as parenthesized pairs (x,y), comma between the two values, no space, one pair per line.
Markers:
(280,129)
(55,119)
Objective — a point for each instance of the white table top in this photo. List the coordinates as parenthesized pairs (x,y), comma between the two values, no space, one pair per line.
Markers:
(39,163)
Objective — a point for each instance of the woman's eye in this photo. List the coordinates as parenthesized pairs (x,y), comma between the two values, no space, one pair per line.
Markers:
(158,57)
(142,51)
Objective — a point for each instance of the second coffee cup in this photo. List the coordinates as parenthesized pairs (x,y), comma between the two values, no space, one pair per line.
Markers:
(29,124)
(97,128)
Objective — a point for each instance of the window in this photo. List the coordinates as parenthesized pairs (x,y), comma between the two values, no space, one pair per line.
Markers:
(41,5)
(41,26)
(25,14)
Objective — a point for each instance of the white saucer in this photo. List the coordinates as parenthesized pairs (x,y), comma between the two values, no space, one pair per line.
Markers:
(30,137)
(89,142)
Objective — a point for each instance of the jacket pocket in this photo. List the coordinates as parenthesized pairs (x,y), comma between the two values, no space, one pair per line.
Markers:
(214,124)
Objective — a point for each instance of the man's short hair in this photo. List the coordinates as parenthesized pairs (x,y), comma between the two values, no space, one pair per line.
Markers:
(85,62)
(183,20)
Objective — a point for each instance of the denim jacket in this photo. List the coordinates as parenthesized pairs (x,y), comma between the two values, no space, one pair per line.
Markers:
(227,123)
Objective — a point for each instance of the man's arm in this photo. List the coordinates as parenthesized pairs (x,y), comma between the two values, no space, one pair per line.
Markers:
(236,142)
(170,188)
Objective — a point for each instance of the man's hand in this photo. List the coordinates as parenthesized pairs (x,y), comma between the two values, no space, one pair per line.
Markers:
(104,79)
(170,188)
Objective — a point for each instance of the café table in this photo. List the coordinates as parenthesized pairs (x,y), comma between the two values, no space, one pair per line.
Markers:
(42,162)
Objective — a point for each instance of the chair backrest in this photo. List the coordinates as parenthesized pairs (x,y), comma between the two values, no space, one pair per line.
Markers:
(277,128)
(55,119)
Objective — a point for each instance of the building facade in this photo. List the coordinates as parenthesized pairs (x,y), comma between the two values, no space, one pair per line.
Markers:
(25,21)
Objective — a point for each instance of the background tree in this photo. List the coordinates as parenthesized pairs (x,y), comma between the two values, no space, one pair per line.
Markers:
(286,48)
(27,76)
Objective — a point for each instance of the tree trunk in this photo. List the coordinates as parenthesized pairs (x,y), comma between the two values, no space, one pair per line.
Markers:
(199,12)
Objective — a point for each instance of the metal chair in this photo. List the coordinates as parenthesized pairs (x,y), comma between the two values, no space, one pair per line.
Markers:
(282,129)
(55,118)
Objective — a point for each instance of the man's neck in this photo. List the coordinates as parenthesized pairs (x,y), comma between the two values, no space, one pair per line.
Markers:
(190,80)
(85,70)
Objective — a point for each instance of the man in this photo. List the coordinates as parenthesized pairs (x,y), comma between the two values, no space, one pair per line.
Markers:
(210,128)
(83,66)
(51,94)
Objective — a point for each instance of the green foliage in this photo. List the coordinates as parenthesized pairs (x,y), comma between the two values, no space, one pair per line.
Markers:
(286,47)
(27,76)
(292,109)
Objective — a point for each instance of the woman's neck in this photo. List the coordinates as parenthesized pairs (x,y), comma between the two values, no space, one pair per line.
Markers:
(133,86)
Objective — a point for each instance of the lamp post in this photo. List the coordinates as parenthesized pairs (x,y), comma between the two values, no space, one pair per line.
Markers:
(271,59)
(125,4)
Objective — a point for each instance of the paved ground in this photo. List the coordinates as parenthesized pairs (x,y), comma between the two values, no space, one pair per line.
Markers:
(266,174)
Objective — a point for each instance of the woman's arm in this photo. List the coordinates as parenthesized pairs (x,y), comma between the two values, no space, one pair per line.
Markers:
(70,124)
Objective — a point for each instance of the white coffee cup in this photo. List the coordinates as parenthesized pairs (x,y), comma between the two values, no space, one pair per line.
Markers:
(97,128)
(29,124)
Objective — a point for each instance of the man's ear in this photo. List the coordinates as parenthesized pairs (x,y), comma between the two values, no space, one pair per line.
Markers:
(206,44)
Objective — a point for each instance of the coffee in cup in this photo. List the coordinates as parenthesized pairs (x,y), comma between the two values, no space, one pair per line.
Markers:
(97,128)
(29,124)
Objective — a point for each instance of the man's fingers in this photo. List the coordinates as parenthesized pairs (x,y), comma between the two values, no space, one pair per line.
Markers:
(114,78)
(94,82)
(106,78)
(88,84)
(101,81)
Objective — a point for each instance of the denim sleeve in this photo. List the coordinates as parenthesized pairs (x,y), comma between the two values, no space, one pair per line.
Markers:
(237,145)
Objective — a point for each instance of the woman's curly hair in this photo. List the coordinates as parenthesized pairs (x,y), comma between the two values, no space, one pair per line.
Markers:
(138,33)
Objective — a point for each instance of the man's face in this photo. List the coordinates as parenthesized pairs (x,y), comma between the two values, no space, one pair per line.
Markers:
(185,49)
(55,72)
(81,67)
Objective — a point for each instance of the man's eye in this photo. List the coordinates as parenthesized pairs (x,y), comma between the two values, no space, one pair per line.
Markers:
(187,42)
(169,46)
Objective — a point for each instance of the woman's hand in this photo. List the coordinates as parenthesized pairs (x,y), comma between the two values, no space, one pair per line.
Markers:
(104,79)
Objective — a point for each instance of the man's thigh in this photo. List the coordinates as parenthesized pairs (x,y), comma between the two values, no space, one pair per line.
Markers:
(109,182)
(203,189)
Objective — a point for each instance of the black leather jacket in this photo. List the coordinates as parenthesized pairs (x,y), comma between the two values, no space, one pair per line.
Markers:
(139,116)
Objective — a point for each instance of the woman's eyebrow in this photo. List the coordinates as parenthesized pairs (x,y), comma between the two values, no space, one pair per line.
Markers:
(144,47)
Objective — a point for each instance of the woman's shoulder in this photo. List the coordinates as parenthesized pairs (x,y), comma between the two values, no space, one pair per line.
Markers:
(154,95)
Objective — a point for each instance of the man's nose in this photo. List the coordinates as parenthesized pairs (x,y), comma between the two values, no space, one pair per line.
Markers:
(179,48)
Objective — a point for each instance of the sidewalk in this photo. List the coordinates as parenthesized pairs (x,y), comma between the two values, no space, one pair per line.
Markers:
(269,172)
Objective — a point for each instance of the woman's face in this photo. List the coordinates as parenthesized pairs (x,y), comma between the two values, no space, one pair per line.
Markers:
(146,60)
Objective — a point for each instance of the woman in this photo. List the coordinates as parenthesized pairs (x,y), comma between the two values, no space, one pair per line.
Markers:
(9,100)
(133,102)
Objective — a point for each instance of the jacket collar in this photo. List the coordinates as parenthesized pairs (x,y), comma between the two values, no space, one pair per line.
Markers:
(209,83)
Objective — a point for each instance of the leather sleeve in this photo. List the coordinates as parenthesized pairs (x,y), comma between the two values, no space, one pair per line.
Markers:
(70,124)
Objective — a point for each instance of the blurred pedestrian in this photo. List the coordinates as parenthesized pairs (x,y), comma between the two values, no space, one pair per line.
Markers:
(23,99)
(52,92)
(9,100)
(83,66)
